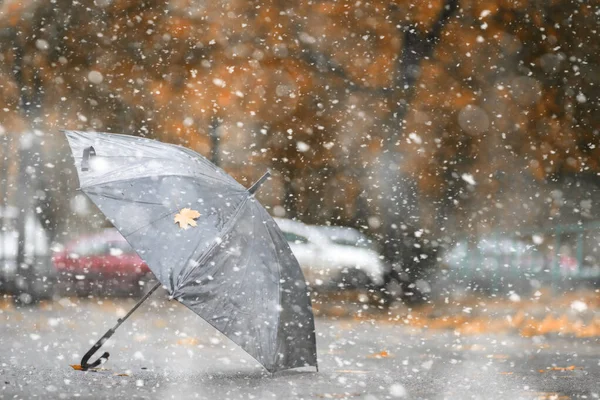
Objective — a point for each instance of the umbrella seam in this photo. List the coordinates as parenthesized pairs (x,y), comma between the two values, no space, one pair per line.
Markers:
(278,287)
(152,176)
(279,293)
(152,158)
(273,361)
(85,189)
(278,290)
(233,341)
(147,225)
(223,232)
(193,157)
(119,199)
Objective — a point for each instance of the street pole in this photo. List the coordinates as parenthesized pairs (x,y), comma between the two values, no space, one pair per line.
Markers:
(214,140)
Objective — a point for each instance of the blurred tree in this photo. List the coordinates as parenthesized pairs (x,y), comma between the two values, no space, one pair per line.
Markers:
(519,111)
(408,115)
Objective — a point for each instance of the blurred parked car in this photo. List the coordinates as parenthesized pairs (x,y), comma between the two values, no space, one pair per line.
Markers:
(347,236)
(99,260)
(490,260)
(491,253)
(332,258)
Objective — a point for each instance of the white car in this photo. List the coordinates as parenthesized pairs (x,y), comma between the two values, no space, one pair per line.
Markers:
(329,263)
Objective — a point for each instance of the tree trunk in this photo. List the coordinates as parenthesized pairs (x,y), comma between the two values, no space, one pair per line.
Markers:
(399,192)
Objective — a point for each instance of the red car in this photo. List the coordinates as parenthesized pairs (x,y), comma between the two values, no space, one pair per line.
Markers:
(100,260)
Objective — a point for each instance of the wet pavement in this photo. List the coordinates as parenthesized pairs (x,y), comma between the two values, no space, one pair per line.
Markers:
(165,351)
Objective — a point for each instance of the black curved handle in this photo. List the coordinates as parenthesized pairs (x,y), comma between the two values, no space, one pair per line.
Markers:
(84,361)
(94,349)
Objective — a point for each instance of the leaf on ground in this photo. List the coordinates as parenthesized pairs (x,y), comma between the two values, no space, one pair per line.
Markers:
(550,396)
(78,367)
(188,341)
(498,356)
(121,374)
(186,218)
(381,354)
(569,368)
(160,323)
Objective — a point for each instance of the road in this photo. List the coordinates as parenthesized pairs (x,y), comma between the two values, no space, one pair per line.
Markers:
(165,351)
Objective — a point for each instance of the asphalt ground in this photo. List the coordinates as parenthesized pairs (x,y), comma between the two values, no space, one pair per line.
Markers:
(164,351)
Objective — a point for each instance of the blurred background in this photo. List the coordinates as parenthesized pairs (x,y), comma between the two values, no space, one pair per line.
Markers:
(435,169)
(457,141)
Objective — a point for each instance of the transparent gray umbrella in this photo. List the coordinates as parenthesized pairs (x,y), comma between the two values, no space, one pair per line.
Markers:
(207,240)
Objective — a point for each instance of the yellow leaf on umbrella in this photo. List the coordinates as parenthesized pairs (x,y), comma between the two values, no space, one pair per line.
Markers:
(186,217)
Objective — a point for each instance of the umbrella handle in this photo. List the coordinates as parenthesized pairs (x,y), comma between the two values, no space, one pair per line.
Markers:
(110,332)
(90,353)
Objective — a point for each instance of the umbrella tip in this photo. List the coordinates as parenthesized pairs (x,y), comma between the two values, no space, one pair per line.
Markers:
(259,182)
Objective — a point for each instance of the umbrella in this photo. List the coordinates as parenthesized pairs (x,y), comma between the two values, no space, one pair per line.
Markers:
(207,240)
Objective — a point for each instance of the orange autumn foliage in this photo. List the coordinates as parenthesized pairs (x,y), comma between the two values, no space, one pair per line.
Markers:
(509,89)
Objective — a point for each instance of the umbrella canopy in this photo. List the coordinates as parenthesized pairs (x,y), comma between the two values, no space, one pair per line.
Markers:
(207,240)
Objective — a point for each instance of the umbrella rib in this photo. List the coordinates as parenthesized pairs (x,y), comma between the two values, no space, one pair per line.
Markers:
(158,158)
(117,139)
(112,197)
(152,176)
(245,274)
(223,232)
(148,224)
(278,281)
(229,338)
(231,221)
(136,157)
(85,189)
(278,284)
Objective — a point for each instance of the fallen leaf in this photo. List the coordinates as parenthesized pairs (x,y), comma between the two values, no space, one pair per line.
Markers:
(498,356)
(381,354)
(77,367)
(160,323)
(121,374)
(140,338)
(550,396)
(188,341)
(569,368)
(186,218)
